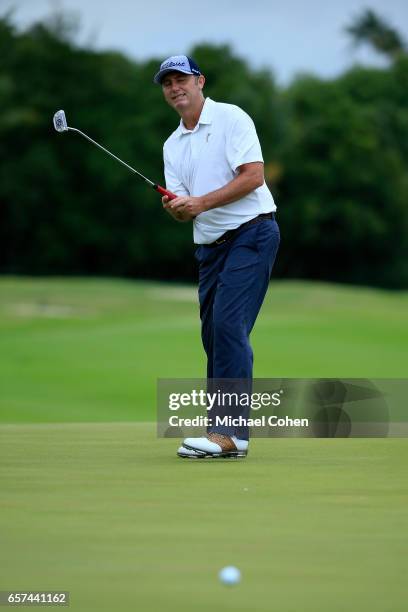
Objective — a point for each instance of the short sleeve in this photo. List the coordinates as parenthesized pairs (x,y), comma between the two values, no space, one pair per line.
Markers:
(173,183)
(242,143)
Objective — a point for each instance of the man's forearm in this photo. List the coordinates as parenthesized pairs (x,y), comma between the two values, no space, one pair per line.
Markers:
(239,187)
(250,177)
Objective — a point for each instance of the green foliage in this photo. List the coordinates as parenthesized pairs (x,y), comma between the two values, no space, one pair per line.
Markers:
(335,154)
(345,182)
(369,27)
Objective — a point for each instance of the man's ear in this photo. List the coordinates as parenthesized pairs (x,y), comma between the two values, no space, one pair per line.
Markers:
(201,81)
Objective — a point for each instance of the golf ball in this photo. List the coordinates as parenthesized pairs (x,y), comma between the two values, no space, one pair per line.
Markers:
(229,575)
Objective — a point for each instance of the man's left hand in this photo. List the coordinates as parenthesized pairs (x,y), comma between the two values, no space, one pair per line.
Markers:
(190,205)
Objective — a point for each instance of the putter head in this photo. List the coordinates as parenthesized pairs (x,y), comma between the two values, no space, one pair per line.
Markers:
(60,121)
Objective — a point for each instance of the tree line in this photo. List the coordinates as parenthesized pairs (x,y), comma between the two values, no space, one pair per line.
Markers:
(336,158)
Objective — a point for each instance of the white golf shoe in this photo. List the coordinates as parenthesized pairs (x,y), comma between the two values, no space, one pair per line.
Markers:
(189,453)
(213,446)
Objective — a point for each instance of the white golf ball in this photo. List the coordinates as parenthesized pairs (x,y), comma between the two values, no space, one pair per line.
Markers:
(229,575)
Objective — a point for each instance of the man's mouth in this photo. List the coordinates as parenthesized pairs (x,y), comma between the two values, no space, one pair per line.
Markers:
(178,97)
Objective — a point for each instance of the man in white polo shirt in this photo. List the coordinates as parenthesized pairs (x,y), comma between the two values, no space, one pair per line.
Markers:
(213,163)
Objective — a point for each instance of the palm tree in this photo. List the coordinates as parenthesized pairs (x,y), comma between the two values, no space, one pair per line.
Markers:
(369,28)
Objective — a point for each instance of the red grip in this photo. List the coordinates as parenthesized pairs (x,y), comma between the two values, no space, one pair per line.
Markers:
(165,192)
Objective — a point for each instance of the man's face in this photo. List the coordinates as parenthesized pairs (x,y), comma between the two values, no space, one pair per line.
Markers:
(182,91)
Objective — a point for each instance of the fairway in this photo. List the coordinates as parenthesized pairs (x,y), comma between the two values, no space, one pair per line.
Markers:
(92,350)
(93,503)
(109,513)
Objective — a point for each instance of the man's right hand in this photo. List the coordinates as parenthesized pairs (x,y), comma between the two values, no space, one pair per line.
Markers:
(181,217)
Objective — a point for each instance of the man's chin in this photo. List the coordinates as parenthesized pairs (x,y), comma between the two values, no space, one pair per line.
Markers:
(182,103)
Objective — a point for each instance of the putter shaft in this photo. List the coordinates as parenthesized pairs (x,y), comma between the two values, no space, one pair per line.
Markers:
(60,124)
(112,155)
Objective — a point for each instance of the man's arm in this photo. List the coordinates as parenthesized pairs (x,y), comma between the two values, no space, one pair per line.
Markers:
(173,183)
(250,176)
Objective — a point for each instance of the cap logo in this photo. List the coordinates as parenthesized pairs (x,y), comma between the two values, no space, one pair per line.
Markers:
(171,64)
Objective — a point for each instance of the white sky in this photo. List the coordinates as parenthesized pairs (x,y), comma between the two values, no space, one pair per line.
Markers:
(287,36)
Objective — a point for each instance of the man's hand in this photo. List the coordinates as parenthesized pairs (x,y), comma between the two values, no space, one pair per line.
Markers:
(190,205)
(178,215)
(183,208)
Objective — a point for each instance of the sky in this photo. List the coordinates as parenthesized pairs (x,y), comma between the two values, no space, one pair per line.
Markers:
(286,36)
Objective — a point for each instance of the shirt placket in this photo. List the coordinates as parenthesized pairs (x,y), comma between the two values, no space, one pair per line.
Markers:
(197,144)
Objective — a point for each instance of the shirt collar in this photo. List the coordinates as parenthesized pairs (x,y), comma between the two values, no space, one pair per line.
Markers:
(205,118)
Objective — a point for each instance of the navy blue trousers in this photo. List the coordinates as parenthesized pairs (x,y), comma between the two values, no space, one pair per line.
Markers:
(233,280)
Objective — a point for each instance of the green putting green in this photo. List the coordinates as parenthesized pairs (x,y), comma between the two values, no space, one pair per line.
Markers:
(108,512)
(93,503)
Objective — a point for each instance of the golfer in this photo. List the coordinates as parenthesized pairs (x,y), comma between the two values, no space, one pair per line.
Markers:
(213,163)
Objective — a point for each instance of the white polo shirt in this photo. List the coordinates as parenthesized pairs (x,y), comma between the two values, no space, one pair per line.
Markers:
(206,158)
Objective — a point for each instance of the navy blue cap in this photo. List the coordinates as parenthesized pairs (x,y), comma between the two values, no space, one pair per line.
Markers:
(177,63)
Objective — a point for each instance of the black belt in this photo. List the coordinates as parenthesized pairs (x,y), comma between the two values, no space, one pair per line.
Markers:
(231,233)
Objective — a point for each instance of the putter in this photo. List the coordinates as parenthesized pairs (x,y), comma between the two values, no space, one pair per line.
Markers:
(60,124)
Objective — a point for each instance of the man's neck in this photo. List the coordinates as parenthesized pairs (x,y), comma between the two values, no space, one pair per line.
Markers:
(191,116)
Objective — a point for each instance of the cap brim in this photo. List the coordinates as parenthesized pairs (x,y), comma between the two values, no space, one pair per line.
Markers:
(158,77)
